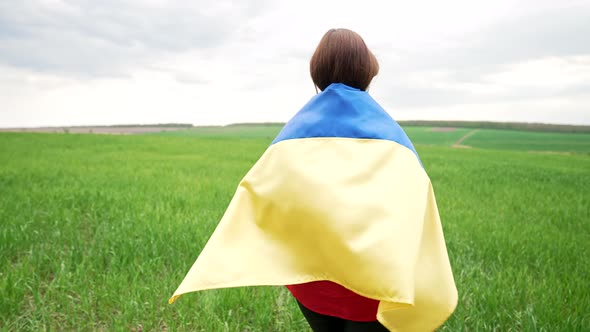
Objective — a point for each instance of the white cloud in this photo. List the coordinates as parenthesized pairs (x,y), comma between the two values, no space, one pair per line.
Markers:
(91,38)
(216,62)
(556,110)
(552,73)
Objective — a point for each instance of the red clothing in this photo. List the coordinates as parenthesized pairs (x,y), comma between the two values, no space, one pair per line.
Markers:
(328,298)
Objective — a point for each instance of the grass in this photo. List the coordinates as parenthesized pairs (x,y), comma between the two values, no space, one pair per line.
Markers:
(98,231)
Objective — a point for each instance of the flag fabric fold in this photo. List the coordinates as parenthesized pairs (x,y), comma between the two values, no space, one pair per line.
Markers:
(340,195)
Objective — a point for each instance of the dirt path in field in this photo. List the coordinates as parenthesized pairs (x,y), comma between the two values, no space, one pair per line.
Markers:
(458,143)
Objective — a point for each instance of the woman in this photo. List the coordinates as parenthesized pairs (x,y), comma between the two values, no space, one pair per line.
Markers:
(341,57)
(339,209)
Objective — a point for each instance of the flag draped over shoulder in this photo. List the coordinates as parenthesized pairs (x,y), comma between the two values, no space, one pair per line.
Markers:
(340,195)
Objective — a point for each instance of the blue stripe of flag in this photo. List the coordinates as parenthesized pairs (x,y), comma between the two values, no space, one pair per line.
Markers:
(343,111)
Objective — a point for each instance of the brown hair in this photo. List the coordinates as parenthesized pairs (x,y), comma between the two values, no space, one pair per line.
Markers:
(343,57)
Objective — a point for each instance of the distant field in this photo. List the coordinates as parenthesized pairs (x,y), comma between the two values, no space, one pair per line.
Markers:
(435,136)
(481,138)
(238,131)
(529,141)
(99,230)
(511,136)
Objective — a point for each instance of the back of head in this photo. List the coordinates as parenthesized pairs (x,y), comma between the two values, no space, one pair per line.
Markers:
(343,57)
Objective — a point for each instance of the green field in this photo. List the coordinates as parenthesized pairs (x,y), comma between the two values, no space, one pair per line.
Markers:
(98,231)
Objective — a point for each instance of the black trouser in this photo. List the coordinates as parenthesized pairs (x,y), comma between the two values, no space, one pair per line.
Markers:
(323,323)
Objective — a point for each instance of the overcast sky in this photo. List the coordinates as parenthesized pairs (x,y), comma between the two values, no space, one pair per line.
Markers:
(206,62)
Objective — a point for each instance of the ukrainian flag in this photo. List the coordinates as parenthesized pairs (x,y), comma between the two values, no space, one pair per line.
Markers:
(340,195)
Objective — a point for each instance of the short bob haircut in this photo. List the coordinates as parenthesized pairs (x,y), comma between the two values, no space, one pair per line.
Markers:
(343,57)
